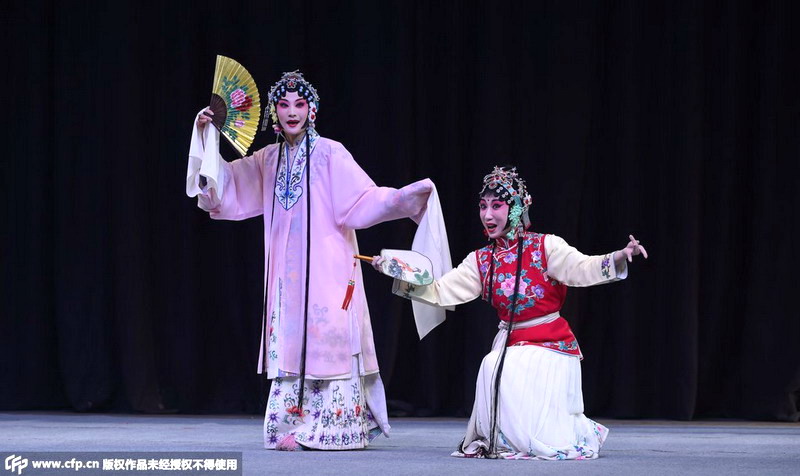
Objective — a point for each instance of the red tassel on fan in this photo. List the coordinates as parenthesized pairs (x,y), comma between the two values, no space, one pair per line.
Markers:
(351,286)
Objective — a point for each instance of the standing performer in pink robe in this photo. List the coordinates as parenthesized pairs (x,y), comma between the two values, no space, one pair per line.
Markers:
(528,397)
(317,344)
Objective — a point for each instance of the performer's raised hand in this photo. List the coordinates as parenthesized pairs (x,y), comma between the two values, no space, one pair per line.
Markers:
(632,249)
(204,117)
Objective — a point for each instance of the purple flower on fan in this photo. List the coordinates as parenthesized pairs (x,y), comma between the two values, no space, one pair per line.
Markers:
(395,270)
(273,417)
(238,123)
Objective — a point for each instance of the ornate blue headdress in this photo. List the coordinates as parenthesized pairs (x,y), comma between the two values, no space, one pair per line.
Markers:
(291,82)
(509,187)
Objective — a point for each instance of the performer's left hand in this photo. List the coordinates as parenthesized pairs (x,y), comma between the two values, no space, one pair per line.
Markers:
(632,249)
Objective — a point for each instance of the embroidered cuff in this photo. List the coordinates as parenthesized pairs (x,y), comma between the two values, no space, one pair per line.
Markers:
(606,264)
(608,268)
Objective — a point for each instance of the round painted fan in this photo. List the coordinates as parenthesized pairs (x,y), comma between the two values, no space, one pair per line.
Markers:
(235,103)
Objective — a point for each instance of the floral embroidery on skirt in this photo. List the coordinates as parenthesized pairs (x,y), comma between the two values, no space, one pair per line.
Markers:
(334,415)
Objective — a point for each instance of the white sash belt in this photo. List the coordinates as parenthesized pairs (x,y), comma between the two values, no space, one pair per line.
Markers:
(500,338)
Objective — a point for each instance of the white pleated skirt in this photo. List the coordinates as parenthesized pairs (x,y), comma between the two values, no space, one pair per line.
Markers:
(541,408)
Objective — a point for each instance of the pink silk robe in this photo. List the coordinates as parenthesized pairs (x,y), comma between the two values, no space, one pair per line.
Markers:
(343,199)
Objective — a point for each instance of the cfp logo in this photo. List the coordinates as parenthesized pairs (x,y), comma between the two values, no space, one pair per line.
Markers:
(16,463)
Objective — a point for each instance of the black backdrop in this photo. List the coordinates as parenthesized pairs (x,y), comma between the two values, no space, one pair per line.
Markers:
(677,122)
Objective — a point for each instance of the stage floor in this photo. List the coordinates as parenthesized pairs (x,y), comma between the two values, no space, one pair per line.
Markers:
(419,446)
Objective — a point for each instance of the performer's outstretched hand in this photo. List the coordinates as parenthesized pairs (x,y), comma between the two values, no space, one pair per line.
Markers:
(204,117)
(632,249)
(376,262)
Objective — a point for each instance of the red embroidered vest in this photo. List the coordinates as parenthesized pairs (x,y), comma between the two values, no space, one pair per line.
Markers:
(538,294)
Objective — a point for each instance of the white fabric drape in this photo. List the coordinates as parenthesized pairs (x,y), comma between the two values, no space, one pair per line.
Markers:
(540,401)
(431,240)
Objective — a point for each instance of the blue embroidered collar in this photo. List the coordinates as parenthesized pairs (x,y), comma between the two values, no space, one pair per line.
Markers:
(288,186)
